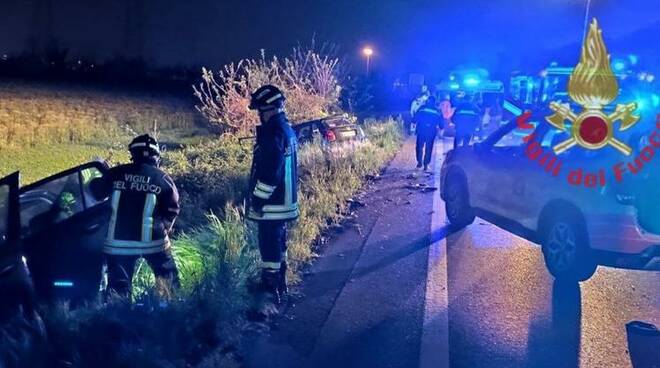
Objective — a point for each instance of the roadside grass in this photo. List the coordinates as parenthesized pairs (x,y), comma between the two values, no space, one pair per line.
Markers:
(215,248)
(204,322)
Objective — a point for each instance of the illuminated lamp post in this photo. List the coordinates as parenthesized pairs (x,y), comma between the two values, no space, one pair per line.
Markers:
(368,52)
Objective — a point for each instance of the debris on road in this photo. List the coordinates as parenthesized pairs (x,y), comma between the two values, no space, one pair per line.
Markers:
(354,203)
(424,188)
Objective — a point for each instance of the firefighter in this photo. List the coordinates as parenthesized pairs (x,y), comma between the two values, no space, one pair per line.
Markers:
(466,119)
(429,122)
(145,204)
(272,194)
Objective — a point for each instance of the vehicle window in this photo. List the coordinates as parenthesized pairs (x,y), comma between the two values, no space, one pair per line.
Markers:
(305,133)
(49,203)
(4,214)
(87,176)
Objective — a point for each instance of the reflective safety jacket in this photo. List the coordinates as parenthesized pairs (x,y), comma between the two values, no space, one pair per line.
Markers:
(428,120)
(145,204)
(273,189)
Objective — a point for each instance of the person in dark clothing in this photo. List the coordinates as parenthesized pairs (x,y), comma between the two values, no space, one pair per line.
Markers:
(273,198)
(466,118)
(145,204)
(429,121)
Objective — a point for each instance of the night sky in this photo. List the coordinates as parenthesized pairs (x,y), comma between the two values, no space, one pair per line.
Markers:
(413,35)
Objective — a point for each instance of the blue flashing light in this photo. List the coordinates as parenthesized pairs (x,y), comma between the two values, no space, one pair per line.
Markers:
(471,81)
(63,283)
(655,100)
(633,59)
(454,86)
(619,65)
(515,110)
(641,104)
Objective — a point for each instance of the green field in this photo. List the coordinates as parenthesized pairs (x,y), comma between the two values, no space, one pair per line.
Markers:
(46,128)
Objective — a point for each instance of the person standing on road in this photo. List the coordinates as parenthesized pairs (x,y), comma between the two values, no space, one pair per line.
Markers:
(145,204)
(447,111)
(415,105)
(272,192)
(429,122)
(466,119)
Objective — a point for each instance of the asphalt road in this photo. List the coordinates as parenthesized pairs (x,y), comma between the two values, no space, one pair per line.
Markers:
(395,288)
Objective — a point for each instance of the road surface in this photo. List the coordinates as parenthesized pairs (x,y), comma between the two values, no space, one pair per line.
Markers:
(396,288)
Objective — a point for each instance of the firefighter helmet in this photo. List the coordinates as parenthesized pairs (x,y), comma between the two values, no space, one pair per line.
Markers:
(266,98)
(144,146)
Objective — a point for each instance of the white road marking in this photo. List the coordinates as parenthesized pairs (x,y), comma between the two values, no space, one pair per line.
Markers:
(434,349)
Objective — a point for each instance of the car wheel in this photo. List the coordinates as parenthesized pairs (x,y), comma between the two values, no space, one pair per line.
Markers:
(566,251)
(457,202)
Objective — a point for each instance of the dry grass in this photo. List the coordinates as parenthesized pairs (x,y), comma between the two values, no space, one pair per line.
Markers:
(47,128)
(41,114)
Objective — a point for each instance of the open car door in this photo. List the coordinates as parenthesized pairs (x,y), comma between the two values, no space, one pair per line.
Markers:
(15,286)
(63,227)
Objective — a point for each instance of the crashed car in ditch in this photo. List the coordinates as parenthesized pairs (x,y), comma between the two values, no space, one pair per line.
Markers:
(61,227)
(334,132)
(593,221)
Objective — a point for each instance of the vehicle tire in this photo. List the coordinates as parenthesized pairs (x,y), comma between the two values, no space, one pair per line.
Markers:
(457,201)
(566,249)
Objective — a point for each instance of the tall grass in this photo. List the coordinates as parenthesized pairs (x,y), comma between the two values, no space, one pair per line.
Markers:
(48,130)
(202,325)
(34,115)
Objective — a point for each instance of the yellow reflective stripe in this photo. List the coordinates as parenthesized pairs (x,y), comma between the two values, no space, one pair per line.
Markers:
(271,265)
(280,208)
(148,217)
(136,243)
(265,187)
(270,100)
(274,215)
(288,193)
(116,195)
(261,194)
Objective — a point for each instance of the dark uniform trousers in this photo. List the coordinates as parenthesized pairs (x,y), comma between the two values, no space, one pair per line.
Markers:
(424,147)
(121,268)
(272,242)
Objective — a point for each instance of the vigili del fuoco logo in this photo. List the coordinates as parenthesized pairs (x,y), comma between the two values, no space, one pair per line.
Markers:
(593,86)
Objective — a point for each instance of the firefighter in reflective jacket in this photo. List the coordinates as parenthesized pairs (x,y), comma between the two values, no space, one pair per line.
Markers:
(273,188)
(145,204)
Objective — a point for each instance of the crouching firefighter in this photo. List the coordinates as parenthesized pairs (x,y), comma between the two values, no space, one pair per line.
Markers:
(145,204)
(272,192)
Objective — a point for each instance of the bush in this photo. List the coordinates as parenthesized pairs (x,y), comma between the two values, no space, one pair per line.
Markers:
(308,79)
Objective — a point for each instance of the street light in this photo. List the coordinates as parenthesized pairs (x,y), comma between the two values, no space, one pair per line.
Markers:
(368,52)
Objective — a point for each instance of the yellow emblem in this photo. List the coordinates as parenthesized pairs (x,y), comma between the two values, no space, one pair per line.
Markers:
(593,85)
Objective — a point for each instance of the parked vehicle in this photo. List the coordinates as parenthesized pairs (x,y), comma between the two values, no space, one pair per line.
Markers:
(332,131)
(62,231)
(578,228)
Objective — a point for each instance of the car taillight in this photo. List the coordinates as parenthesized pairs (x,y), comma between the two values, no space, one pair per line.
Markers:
(330,136)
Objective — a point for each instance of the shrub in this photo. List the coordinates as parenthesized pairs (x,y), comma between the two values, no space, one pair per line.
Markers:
(308,79)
